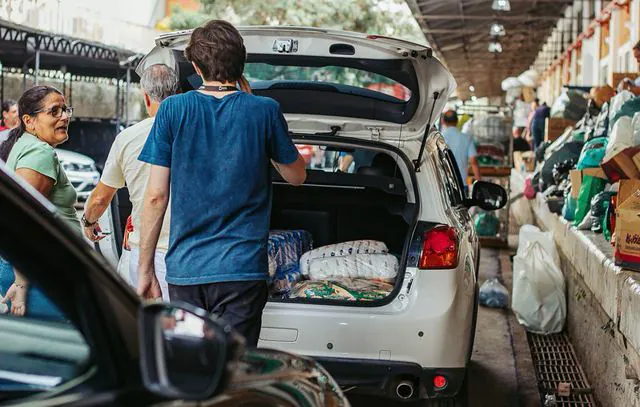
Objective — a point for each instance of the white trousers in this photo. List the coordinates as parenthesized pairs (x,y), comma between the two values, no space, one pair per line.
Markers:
(128,269)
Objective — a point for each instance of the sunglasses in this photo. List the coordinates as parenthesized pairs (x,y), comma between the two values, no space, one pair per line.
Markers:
(57,111)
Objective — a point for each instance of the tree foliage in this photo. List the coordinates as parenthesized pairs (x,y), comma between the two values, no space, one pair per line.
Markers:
(384,17)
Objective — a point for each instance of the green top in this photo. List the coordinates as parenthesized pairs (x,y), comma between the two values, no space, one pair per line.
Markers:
(33,153)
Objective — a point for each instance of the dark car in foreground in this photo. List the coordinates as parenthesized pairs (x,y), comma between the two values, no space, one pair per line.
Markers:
(105,347)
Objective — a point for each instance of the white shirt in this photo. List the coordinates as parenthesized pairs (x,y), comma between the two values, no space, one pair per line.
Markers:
(123,168)
(521,113)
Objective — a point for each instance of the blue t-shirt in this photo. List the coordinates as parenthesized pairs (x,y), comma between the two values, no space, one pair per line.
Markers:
(219,152)
(462,147)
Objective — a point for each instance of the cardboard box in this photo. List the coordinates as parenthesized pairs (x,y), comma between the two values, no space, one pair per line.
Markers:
(528,94)
(627,235)
(526,158)
(619,76)
(576,177)
(555,127)
(624,165)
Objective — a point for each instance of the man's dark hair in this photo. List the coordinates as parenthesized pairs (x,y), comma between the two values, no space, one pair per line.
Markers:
(218,51)
(537,101)
(450,117)
(637,46)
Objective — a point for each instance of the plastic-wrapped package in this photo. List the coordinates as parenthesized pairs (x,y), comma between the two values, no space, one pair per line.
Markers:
(538,299)
(491,129)
(629,108)
(561,170)
(342,249)
(601,128)
(493,294)
(342,289)
(571,104)
(624,134)
(592,153)
(616,103)
(379,266)
(569,208)
(284,249)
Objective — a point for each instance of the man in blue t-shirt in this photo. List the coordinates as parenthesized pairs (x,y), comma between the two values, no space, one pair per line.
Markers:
(213,148)
(461,145)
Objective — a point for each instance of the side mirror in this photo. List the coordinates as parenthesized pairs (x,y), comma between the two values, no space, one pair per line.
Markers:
(487,196)
(183,351)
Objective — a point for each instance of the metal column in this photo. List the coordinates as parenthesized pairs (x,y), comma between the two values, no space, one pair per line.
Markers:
(37,67)
(126,98)
(118,103)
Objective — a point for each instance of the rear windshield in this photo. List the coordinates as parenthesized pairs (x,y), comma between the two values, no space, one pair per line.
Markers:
(348,160)
(333,75)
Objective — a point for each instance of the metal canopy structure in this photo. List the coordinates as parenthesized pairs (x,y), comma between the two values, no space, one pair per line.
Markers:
(41,54)
(460,32)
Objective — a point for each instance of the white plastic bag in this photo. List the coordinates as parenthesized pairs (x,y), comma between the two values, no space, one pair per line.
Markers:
(370,266)
(538,298)
(341,249)
(621,137)
(530,233)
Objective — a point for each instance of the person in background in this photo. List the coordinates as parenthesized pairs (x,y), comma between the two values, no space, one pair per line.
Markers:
(461,145)
(627,83)
(521,110)
(212,148)
(123,168)
(538,120)
(9,119)
(29,152)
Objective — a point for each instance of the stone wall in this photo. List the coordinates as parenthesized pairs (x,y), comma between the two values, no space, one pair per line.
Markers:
(89,99)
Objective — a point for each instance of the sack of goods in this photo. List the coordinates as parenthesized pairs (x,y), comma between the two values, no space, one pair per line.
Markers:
(538,298)
(356,260)
(342,289)
(492,129)
(284,249)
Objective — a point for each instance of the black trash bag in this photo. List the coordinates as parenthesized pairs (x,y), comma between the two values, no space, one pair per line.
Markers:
(599,205)
(561,171)
(542,148)
(572,105)
(570,151)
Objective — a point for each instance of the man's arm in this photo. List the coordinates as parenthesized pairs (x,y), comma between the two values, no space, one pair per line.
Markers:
(345,162)
(295,173)
(475,167)
(98,202)
(156,201)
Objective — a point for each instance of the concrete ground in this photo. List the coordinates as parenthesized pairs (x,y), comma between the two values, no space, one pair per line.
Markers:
(501,373)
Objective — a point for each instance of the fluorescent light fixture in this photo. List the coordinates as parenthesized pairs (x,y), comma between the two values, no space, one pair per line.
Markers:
(501,5)
(497,30)
(495,47)
(472,88)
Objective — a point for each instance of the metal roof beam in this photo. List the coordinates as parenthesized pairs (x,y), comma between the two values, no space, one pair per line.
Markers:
(497,17)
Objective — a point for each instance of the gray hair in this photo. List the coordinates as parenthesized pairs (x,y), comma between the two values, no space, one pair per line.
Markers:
(159,82)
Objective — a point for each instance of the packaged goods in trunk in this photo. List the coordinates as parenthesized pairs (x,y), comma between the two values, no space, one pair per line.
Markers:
(370,266)
(284,249)
(342,249)
(627,225)
(342,289)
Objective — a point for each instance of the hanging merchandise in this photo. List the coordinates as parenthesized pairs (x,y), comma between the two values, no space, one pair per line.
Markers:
(487,224)
(493,294)
(592,153)
(538,298)
(590,187)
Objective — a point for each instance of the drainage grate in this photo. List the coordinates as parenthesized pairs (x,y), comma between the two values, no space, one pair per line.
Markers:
(555,362)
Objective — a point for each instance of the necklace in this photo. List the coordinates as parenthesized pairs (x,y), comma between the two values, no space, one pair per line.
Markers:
(218,88)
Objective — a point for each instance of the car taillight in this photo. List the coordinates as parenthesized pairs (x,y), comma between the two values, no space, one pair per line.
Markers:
(439,249)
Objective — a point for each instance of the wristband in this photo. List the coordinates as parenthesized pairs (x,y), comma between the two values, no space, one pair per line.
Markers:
(86,223)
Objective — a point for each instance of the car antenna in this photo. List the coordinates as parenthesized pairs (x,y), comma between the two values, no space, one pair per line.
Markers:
(418,162)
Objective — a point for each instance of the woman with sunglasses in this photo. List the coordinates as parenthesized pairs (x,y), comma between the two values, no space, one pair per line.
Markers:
(29,152)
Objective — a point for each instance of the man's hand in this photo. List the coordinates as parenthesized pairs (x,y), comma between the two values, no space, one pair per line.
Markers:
(148,285)
(93,233)
(17,294)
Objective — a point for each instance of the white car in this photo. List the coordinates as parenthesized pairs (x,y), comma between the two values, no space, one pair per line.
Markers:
(81,171)
(373,101)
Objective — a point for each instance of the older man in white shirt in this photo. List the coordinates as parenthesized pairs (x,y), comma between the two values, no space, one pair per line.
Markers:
(123,168)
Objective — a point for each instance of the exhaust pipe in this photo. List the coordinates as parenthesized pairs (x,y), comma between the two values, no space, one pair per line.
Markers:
(404,390)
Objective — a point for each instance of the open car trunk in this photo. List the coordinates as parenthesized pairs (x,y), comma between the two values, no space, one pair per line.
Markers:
(341,238)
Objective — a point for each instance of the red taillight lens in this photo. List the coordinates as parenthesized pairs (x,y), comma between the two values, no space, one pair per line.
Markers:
(439,382)
(439,249)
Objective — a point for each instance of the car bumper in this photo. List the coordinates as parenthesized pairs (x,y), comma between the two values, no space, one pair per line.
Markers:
(381,378)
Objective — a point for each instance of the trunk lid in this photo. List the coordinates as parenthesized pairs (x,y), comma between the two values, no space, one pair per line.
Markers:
(371,87)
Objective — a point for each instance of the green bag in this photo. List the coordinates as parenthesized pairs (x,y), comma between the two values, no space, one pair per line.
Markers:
(487,224)
(589,188)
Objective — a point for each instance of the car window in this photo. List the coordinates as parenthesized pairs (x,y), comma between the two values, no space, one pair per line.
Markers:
(334,75)
(348,160)
(41,350)
(453,180)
